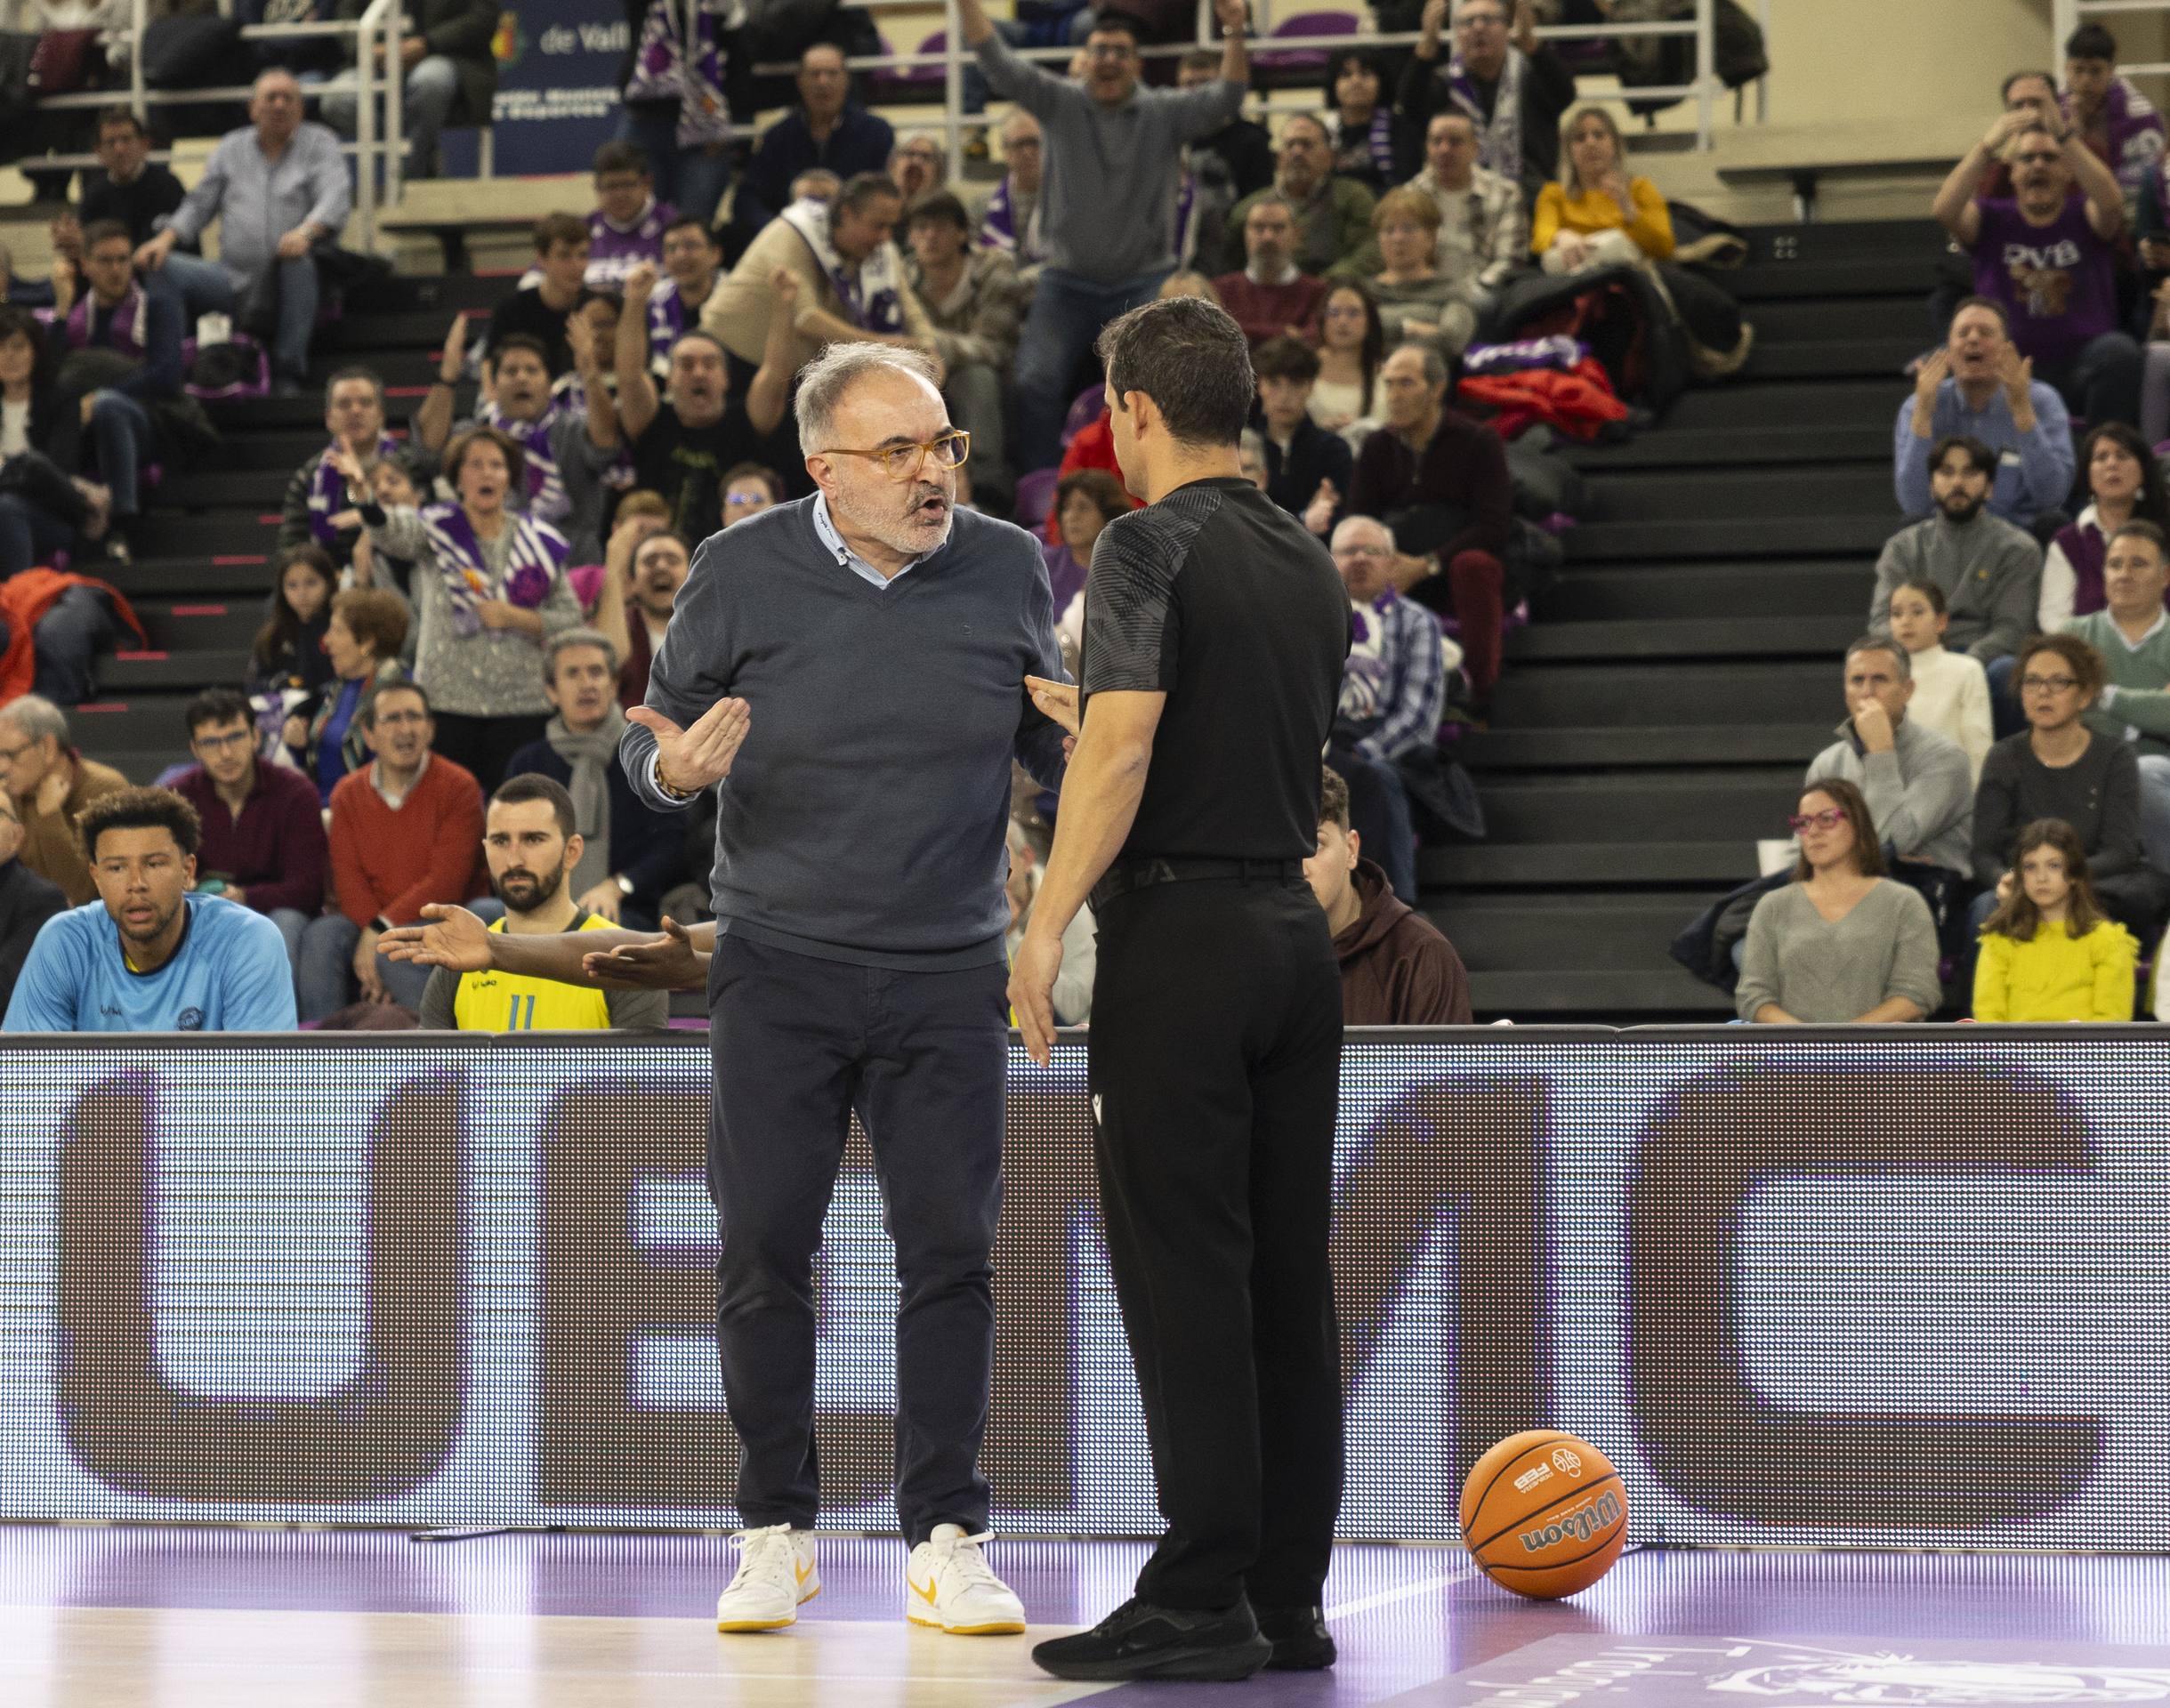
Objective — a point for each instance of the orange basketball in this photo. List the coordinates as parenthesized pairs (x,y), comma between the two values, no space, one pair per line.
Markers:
(1544,1514)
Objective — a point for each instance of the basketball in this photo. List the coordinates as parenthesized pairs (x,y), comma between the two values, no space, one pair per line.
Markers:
(1544,1514)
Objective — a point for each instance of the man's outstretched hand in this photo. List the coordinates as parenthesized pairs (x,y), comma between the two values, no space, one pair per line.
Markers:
(667,961)
(454,939)
(690,759)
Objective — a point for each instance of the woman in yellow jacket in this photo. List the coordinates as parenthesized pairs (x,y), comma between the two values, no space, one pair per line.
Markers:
(1598,216)
(2049,952)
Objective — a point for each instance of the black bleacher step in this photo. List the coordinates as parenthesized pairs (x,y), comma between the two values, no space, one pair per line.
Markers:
(1800,245)
(1664,993)
(1749,494)
(195,626)
(1716,637)
(191,580)
(366,334)
(1748,405)
(1486,750)
(128,674)
(1776,535)
(1592,865)
(1820,320)
(1734,804)
(1831,358)
(1620,932)
(1812,587)
(219,534)
(1694,447)
(253,489)
(117,722)
(1904,272)
(1666,694)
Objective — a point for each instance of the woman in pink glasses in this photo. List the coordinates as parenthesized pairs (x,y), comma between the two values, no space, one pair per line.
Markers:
(1843,943)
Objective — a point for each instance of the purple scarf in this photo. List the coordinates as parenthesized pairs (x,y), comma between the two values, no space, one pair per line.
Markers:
(1370,149)
(998,228)
(121,331)
(2085,549)
(870,294)
(680,59)
(1499,138)
(538,559)
(2135,129)
(547,498)
(327,491)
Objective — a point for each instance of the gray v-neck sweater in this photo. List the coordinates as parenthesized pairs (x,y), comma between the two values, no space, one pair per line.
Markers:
(865,816)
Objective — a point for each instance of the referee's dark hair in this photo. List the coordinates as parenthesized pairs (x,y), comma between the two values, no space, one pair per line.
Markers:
(1192,359)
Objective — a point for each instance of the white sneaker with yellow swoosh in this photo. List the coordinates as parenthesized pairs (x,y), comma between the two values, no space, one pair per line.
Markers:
(950,1587)
(776,1573)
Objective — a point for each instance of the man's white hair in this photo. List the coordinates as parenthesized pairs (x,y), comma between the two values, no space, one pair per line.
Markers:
(1372,524)
(824,382)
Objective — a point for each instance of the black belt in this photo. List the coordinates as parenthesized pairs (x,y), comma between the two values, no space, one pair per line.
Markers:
(1126,876)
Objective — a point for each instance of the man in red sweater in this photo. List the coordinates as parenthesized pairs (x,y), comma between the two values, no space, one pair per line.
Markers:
(406,830)
(1271,297)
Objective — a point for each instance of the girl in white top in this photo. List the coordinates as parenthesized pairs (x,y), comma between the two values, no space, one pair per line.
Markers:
(1952,691)
(1351,344)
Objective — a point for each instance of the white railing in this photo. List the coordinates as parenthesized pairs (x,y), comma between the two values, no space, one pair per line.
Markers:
(377,28)
(953,58)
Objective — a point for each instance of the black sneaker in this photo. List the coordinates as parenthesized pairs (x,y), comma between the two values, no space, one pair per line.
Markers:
(1302,1643)
(1139,1640)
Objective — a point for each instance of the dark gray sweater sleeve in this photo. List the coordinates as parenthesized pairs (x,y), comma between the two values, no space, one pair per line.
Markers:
(2012,612)
(1039,738)
(690,674)
(1994,810)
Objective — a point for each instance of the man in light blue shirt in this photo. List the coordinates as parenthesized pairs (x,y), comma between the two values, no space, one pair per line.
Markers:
(149,955)
(1977,386)
(277,187)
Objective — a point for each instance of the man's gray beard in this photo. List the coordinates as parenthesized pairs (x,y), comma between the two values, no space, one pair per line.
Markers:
(894,532)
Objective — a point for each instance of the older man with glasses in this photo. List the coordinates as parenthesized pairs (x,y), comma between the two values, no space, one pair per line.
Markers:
(26,901)
(49,783)
(847,673)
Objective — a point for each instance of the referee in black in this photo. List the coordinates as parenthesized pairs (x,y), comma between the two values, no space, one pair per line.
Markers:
(1215,631)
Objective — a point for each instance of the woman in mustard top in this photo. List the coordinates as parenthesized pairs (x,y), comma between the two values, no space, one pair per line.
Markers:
(2049,952)
(1598,216)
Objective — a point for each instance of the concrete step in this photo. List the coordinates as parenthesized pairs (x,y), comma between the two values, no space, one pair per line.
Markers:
(1666,694)
(1801,587)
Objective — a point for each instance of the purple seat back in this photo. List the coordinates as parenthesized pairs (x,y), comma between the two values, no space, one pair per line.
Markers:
(1309,60)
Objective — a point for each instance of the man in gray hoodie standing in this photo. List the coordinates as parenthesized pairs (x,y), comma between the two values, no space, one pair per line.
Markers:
(1107,194)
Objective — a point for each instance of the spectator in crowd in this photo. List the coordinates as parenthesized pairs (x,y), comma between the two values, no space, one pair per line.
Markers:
(684,443)
(532,851)
(1332,214)
(1514,87)
(1393,692)
(685,73)
(542,308)
(1086,499)
(1989,572)
(1841,943)
(1012,220)
(26,901)
(1308,469)
(2033,95)
(50,782)
(1242,148)
(1978,386)
(1484,232)
(1396,968)
(1438,480)
(1918,784)
(151,954)
(1271,297)
(1107,197)
(2049,952)
(626,230)
(917,166)
(1251,457)
(1351,346)
(491,591)
(362,642)
(748,489)
(126,185)
(1417,302)
(2124,484)
(2057,767)
(45,507)
(448,72)
(1597,216)
(288,656)
(567,448)
(260,825)
(826,130)
(975,302)
(1952,691)
(2132,636)
(2048,256)
(830,274)
(691,266)
(315,510)
(405,831)
(657,563)
(1073,992)
(2107,112)
(1364,138)
(278,189)
(631,856)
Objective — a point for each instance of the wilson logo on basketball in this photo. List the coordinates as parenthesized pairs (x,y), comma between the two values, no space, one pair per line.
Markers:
(1579,1525)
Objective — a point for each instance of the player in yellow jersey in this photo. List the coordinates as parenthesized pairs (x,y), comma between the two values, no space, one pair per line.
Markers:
(532,848)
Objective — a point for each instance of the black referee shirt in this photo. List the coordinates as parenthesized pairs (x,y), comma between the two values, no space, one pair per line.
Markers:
(1216,597)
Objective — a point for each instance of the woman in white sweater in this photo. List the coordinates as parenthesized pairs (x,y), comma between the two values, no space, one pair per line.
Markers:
(1952,691)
